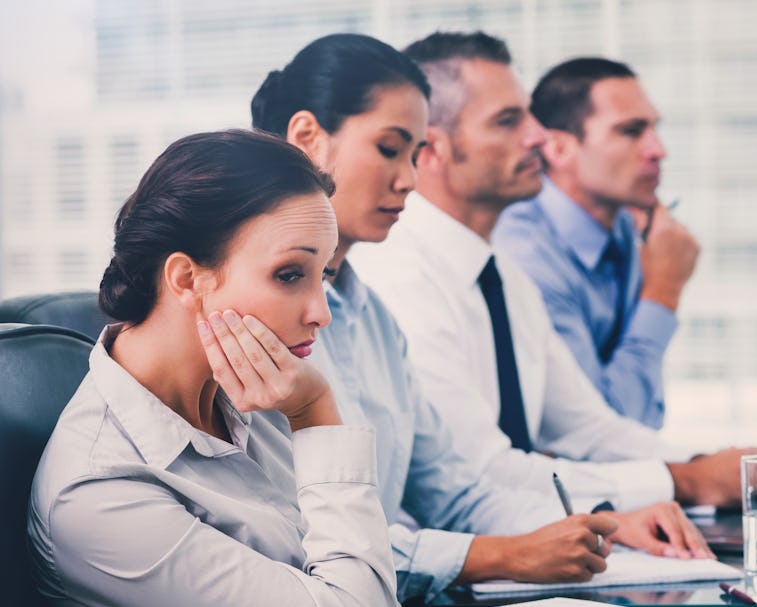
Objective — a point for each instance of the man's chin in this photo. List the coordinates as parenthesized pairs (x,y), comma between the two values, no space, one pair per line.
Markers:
(528,192)
(643,203)
(503,198)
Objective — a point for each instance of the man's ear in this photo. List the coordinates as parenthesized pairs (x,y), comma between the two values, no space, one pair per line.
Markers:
(560,148)
(437,151)
(186,281)
(305,132)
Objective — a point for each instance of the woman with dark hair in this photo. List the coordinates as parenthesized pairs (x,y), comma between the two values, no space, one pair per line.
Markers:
(359,109)
(159,488)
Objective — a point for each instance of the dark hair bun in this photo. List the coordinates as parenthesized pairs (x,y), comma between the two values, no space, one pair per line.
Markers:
(333,77)
(120,298)
(266,104)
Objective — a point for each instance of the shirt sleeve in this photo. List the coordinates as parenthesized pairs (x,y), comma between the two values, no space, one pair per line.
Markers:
(578,424)
(427,560)
(631,380)
(125,542)
(627,458)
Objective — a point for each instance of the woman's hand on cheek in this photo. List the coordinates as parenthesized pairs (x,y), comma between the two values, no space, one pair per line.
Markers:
(257,371)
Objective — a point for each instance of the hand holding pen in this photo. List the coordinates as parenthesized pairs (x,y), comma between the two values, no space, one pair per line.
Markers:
(639,529)
(650,216)
(568,507)
(562,494)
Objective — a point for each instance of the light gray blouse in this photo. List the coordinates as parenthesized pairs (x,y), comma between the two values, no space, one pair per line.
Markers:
(131,505)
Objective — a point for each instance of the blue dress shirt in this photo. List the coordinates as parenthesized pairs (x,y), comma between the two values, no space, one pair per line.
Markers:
(561,247)
(364,356)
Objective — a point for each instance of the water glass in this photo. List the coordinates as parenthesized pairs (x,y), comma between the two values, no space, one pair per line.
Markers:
(749,511)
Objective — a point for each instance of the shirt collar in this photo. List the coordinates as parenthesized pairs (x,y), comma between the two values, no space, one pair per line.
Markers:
(156,431)
(466,254)
(578,231)
(348,290)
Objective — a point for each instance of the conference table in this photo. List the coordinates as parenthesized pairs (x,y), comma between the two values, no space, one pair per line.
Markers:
(723,532)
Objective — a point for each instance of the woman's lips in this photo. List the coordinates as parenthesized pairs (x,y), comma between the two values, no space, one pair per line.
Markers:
(393,212)
(302,350)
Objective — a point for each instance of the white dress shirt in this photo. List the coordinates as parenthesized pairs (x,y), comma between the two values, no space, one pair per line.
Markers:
(132,505)
(427,271)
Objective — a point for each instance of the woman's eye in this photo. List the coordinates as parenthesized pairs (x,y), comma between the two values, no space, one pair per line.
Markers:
(387,152)
(289,277)
(329,272)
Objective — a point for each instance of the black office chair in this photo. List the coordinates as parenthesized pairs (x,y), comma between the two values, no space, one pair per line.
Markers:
(40,368)
(76,310)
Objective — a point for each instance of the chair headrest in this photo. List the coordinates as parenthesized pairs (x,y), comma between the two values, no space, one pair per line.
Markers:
(76,310)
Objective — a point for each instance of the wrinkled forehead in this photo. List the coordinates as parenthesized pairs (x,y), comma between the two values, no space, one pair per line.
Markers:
(305,221)
(298,216)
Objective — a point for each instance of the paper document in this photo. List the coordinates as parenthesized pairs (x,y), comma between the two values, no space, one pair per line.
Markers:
(705,510)
(627,568)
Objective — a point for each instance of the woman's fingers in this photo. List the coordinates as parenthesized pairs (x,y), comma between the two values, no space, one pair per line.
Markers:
(278,352)
(254,351)
(223,373)
(236,356)
(255,368)
(249,361)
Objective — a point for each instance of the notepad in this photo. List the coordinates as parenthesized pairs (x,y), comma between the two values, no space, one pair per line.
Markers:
(626,568)
(560,602)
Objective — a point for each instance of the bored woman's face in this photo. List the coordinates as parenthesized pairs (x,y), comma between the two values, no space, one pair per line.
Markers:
(274,270)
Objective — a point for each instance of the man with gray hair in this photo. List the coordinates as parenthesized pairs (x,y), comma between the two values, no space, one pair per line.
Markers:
(477,328)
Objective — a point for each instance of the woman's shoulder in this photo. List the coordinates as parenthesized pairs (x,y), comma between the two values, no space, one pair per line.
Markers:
(83,439)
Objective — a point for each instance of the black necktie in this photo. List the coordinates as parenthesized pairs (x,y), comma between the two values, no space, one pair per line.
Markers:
(512,417)
(615,256)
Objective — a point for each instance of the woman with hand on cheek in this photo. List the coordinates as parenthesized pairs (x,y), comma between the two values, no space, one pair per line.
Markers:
(168,479)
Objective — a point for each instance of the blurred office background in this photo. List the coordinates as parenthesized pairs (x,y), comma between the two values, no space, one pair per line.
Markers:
(92,90)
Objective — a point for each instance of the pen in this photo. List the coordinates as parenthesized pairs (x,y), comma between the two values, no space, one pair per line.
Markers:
(564,498)
(650,213)
(737,594)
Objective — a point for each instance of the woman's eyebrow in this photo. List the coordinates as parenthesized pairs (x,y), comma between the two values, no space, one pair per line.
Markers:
(312,250)
(404,133)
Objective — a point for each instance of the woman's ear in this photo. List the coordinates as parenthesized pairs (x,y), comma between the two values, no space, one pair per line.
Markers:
(186,281)
(305,132)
